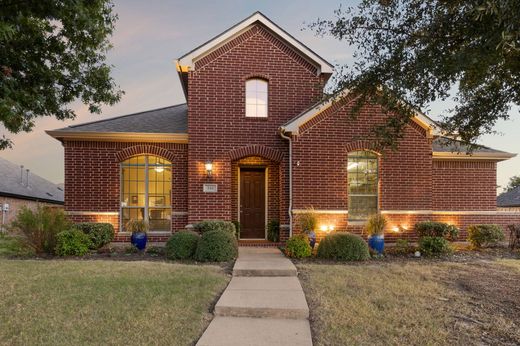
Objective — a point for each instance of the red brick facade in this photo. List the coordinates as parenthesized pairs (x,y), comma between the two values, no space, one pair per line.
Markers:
(413,185)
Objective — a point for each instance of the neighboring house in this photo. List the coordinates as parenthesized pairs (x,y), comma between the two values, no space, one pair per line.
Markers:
(254,143)
(20,187)
(509,200)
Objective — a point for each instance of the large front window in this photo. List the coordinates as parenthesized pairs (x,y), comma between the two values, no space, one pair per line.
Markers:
(146,190)
(362,172)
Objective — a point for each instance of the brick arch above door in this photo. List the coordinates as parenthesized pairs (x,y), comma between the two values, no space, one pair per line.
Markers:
(256,150)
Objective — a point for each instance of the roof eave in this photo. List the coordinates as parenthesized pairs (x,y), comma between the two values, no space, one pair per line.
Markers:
(188,60)
(485,156)
(62,135)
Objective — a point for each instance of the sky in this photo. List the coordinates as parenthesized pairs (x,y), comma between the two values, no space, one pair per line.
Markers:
(150,35)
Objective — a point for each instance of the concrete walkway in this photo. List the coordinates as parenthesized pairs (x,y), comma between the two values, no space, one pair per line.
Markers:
(263,304)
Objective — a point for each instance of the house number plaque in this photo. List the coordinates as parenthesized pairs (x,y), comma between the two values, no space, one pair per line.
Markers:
(210,188)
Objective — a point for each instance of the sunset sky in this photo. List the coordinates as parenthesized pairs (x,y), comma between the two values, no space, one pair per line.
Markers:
(150,35)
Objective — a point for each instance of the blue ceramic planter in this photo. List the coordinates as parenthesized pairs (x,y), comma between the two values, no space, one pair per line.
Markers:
(312,238)
(139,240)
(377,243)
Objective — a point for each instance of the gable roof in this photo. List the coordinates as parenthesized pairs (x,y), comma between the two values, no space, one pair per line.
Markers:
(293,125)
(187,61)
(510,198)
(442,147)
(157,124)
(14,184)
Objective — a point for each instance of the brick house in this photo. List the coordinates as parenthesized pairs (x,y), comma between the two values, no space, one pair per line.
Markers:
(256,142)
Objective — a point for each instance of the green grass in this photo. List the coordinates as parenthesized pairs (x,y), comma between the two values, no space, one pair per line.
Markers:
(12,246)
(57,302)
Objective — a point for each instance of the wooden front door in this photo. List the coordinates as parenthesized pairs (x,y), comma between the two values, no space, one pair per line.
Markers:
(252,203)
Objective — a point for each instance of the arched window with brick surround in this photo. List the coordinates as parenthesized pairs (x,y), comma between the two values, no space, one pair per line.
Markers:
(146,190)
(256,98)
(363,184)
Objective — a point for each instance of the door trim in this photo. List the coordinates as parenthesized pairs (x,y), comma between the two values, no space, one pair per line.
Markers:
(266,187)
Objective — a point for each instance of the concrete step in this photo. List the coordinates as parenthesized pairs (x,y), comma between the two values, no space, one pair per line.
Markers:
(274,297)
(263,262)
(240,331)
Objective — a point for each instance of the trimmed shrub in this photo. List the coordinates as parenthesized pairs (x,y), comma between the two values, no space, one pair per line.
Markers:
(436,229)
(273,231)
(100,234)
(485,235)
(434,246)
(72,243)
(343,246)
(217,246)
(308,220)
(237,228)
(40,227)
(215,225)
(182,245)
(298,246)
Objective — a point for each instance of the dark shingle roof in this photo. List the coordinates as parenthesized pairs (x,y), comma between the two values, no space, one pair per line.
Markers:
(510,198)
(444,144)
(172,119)
(38,189)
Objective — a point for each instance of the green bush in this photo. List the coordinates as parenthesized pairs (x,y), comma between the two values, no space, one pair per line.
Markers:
(436,229)
(376,225)
(308,220)
(217,246)
(72,243)
(434,246)
(485,235)
(100,234)
(343,246)
(273,231)
(40,227)
(182,245)
(298,246)
(215,225)
(237,228)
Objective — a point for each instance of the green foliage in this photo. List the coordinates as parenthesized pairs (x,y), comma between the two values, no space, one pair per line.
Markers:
(155,250)
(514,182)
(182,245)
(273,231)
(308,220)
(237,228)
(13,246)
(434,246)
(343,246)
(436,229)
(40,227)
(72,243)
(215,225)
(402,247)
(53,53)
(419,51)
(376,225)
(485,235)
(217,246)
(298,246)
(100,234)
(137,226)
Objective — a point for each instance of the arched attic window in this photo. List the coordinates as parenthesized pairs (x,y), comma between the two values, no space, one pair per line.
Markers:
(256,98)
(363,184)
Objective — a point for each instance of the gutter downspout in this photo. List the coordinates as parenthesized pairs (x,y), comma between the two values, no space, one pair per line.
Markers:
(290,181)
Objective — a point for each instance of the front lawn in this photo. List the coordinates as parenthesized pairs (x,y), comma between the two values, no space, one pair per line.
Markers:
(414,302)
(74,302)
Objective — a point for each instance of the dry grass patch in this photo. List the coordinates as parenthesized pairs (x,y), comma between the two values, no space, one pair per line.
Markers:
(410,303)
(105,302)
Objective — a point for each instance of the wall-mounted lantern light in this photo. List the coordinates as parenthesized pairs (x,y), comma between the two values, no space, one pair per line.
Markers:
(209,168)
(327,228)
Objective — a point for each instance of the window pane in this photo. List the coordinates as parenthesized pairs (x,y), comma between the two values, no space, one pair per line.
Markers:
(362,180)
(256,98)
(261,86)
(160,219)
(251,110)
(261,111)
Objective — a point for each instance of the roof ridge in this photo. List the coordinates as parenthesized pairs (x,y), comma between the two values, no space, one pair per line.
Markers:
(122,116)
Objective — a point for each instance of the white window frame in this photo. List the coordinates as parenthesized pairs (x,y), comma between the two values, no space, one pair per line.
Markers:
(256,98)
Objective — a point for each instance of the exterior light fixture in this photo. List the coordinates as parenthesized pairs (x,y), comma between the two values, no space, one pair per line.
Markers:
(209,167)
(327,229)
(159,169)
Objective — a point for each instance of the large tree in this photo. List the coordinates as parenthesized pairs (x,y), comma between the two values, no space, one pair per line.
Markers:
(514,182)
(52,53)
(409,53)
